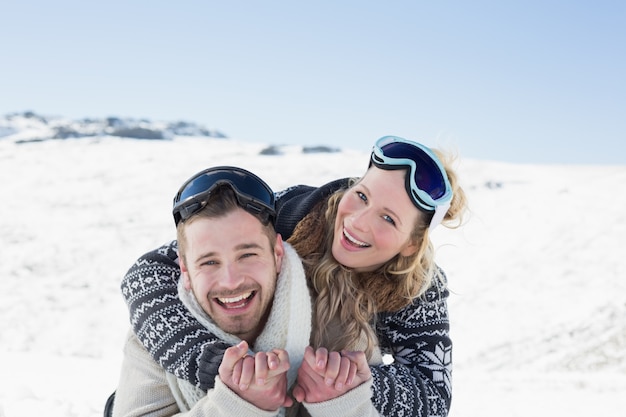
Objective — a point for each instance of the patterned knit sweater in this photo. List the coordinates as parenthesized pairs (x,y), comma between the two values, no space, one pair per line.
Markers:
(417,383)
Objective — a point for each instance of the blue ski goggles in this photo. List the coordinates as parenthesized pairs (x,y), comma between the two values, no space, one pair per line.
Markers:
(426,182)
(252,193)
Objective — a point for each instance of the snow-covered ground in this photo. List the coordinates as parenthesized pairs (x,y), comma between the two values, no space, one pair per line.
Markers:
(539,297)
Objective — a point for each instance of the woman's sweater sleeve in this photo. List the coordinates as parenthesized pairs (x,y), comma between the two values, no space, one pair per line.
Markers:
(167,330)
(418,382)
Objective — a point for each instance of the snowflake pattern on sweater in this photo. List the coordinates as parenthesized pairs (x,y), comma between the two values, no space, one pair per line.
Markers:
(418,383)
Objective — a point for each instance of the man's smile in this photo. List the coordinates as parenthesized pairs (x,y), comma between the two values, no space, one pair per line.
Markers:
(238,301)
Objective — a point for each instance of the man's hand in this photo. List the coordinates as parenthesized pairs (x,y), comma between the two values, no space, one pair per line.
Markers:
(260,379)
(326,375)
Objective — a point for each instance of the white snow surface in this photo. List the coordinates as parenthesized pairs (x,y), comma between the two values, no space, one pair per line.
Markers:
(537,273)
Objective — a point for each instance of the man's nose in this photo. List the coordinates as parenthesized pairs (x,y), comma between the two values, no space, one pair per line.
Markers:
(231,276)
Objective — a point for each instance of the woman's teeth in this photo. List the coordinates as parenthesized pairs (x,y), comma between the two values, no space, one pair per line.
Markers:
(354,240)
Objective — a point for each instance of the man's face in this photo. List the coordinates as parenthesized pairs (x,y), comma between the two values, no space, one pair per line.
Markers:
(232,271)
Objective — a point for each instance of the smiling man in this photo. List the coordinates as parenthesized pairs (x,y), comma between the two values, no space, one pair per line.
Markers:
(230,265)
(245,285)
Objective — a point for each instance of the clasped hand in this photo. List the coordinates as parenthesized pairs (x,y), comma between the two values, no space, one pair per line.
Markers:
(261,379)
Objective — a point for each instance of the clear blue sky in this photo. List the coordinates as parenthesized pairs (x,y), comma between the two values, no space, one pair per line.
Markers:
(524,81)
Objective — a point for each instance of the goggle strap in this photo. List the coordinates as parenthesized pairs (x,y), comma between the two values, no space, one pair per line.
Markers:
(440,213)
(186,211)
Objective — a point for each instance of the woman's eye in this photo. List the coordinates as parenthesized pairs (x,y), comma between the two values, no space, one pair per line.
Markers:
(361,196)
(389,220)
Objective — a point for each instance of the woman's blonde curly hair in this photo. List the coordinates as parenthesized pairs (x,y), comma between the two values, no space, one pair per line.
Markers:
(351,299)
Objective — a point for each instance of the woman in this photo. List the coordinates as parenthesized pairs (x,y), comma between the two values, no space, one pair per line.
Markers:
(367,253)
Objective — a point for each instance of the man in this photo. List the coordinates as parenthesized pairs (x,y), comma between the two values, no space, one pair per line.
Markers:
(248,288)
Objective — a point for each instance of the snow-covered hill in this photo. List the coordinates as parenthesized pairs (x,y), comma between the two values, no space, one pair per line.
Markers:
(32,127)
(537,273)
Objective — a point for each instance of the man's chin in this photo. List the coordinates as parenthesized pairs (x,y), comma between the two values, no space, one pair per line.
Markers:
(238,328)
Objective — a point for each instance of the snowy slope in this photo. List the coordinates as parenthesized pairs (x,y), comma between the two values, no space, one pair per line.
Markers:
(538,306)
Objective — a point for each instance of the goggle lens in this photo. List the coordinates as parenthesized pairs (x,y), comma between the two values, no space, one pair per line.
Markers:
(427,176)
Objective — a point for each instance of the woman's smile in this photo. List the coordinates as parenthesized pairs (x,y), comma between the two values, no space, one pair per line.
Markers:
(374,222)
(353,241)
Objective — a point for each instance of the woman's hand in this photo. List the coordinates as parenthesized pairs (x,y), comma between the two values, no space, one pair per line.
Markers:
(326,375)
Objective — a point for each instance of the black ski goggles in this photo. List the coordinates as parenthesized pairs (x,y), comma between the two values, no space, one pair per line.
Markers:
(426,182)
(252,193)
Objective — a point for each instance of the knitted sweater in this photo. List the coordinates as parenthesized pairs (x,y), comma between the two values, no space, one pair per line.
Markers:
(146,388)
(416,336)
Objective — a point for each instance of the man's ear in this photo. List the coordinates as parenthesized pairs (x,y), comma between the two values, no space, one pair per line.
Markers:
(184,272)
(279,251)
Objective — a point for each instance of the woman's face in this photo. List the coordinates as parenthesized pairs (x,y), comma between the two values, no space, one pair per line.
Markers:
(375,219)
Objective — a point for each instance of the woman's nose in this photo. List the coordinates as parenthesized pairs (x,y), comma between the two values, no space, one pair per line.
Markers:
(360,220)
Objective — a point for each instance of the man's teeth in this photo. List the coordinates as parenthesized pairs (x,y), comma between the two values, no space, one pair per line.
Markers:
(354,240)
(234,299)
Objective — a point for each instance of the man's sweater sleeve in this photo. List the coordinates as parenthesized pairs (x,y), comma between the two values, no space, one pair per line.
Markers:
(354,403)
(144,390)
